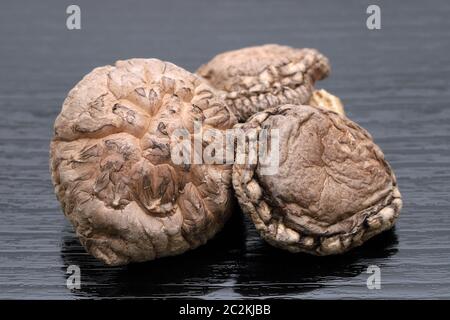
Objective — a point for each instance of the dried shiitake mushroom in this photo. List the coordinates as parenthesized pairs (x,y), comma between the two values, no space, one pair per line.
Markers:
(111,162)
(333,189)
(324,99)
(256,78)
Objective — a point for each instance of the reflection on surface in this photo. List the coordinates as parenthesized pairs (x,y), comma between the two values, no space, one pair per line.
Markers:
(267,271)
(194,273)
(236,259)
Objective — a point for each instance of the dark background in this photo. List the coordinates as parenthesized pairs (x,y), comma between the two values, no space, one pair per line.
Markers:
(394,82)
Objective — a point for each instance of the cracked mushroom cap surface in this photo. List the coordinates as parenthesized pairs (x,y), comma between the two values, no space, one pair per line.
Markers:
(257,78)
(333,189)
(111,162)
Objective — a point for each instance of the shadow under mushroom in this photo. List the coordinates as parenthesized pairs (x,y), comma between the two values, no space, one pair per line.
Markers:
(237,260)
(267,271)
(194,273)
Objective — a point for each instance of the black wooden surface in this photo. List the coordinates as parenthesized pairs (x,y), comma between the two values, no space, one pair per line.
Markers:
(395,82)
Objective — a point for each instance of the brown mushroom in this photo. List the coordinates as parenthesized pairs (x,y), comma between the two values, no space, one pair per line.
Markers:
(324,99)
(112,168)
(333,189)
(257,78)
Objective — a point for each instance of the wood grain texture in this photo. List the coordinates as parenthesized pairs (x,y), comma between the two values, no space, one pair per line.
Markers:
(395,82)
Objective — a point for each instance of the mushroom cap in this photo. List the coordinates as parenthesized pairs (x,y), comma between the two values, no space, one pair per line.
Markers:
(333,189)
(112,168)
(324,99)
(257,78)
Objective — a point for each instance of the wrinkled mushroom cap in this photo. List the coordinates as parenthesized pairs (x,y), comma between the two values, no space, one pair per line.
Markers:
(256,78)
(111,162)
(333,189)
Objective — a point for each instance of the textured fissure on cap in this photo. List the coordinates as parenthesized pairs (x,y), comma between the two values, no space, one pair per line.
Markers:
(245,105)
(301,232)
(111,165)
